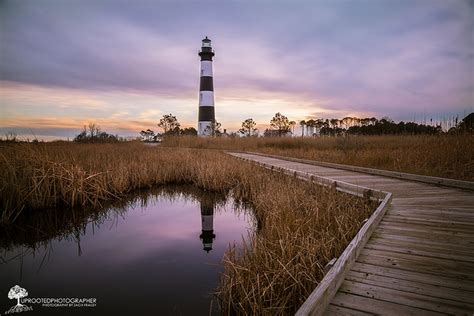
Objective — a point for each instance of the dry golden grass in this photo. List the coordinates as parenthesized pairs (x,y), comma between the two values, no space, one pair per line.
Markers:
(301,225)
(53,175)
(449,156)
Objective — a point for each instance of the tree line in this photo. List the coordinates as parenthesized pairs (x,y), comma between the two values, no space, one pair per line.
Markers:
(281,125)
(374,126)
(366,126)
(92,133)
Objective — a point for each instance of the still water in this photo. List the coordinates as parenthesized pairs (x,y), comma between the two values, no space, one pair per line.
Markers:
(156,254)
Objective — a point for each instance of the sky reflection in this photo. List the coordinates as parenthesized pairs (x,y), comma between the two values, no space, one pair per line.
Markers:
(147,258)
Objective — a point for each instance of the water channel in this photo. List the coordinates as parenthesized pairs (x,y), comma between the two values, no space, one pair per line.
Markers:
(157,253)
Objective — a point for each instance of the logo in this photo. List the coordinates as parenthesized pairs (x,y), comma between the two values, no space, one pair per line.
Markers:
(20,294)
(17,293)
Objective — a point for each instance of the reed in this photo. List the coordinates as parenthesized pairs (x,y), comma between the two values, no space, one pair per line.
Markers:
(448,156)
(68,175)
(301,226)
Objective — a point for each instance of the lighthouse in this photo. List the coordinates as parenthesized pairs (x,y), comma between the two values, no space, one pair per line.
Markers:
(207,219)
(206,117)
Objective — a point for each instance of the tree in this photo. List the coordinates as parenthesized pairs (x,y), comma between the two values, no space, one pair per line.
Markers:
(176,131)
(319,123)
(466,125)
(302,124)
(17,292)
(81,137)
(92,134)
(144,134)
(190,131)
(148,135)
(270,133)
(356,121)
(280,123)
(365,121)
(214,129)
(168,123)
(248,128)
(292,126)
(94,130)
(310,127)
(233,135)
(347,121)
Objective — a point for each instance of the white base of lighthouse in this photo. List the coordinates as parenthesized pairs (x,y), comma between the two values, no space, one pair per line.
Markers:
(205,128)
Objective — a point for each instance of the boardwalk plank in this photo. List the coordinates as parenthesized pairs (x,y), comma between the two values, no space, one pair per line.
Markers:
(437,267)
(335,310)
(445,252)
(442,243)
(433,304)
(419,251)
(377,307)
(411,286)
(427,235)
(427,220)
(463,217)
(419,277)
(435,226)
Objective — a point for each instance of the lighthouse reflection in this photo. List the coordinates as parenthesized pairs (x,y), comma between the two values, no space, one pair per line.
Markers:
(208,205)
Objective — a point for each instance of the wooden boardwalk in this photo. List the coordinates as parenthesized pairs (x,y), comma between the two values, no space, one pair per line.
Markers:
(420,258)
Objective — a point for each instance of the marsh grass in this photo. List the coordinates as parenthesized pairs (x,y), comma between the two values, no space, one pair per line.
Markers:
(72,175)
(449,156)
(301,226)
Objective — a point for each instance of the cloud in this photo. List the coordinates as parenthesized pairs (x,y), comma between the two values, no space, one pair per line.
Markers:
(107,53)
(136,62)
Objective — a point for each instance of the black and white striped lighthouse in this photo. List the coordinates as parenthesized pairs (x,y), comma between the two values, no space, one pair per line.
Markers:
(206,91)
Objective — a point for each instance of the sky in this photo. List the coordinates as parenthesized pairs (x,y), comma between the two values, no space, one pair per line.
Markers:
(124,64)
